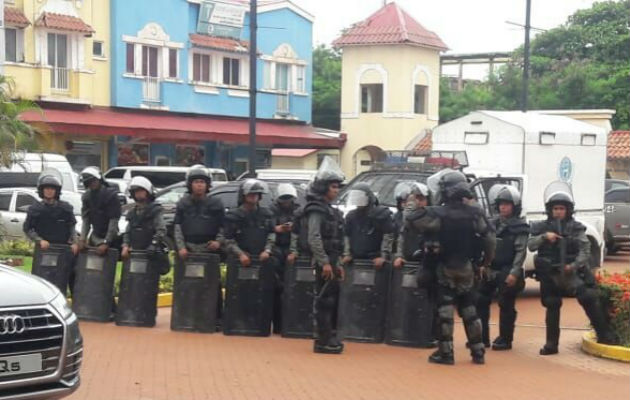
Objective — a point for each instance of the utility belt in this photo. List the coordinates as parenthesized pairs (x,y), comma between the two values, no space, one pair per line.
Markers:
(198,239)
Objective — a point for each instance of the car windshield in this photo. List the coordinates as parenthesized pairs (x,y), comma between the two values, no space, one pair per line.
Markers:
(161,179)
(172,195)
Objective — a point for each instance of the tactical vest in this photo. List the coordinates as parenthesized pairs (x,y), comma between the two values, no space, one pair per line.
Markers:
(141,226)
(507,231)
(458,237)
(202,218)
(102,206)
(52,222)
(331,229)
(282,217)
(365,231)
(251,228)
(570,230)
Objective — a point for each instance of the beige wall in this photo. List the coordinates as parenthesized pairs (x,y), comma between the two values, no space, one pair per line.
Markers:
(398,68)
(306,162)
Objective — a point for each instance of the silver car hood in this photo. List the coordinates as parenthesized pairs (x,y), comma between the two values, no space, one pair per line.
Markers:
(18,288)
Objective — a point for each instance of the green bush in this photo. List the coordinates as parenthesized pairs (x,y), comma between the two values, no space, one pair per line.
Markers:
(17,248)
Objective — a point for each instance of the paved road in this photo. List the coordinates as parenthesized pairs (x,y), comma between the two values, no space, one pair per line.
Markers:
(157,364)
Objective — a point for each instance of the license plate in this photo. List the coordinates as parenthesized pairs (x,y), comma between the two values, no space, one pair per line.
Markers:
(18,365)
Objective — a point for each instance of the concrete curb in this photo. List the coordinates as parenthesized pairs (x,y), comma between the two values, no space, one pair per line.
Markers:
(590,346)
(165,300)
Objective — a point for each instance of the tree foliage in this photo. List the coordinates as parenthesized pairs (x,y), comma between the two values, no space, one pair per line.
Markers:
(326,87)
(583,64)
(14,133)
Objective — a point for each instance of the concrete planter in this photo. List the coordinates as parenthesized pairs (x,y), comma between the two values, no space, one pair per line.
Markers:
(590,346)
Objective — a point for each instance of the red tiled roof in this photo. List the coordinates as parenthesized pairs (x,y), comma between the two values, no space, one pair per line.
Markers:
(171,127)
(15,17)
(390,25)
(298,153)
(425,144)
(63,23)
(219,43)
(619,145)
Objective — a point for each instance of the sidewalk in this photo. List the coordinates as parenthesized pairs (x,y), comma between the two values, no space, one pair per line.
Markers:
(155,364)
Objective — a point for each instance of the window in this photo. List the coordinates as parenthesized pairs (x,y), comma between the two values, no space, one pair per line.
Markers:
(588,139)
(58,59)
(10,51)
(24,200)
(98,49)
(231,72)
(300,73)
(618,196)
(116,173)
(476,137)
(420,99)
(282,77)
(5,201)
(150,61)
(131,62)
(547,138)
(201,68)
(172,63)
(372,98)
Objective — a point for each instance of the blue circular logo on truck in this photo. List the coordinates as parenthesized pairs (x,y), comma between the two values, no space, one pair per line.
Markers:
(565,169)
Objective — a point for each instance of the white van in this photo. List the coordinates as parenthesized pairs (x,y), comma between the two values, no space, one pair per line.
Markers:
(37,162)
(160,177)
(531,150)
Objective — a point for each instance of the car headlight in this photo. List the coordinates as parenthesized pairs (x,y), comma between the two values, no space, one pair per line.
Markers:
(60,304)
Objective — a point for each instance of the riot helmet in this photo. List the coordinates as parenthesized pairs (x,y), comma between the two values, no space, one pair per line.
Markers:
(559,192)
(140,182)
(50,177)
(448,185)
(286,191)
(361,196)
(328,172)
(198,171)
(505,193)
(90,174)
(250,186)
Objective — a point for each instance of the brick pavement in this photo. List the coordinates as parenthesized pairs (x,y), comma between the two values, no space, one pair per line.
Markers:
(157,364)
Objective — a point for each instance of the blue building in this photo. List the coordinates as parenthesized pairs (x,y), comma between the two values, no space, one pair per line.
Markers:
(166,64)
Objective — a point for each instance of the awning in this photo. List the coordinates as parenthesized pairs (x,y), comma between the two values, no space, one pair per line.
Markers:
(63,23)
(294,153)
(219,43)
(173,127)
(14,17)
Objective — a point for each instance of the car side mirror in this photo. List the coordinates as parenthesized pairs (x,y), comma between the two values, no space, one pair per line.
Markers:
(23,208)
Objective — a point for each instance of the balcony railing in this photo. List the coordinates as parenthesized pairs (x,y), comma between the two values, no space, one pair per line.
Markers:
(151,89)
(60,78)
(282,105)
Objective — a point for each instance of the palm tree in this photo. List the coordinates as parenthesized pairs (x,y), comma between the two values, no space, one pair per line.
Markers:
(15,134)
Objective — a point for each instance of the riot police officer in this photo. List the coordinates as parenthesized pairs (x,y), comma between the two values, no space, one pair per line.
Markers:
(410,241)
(369,228)
(505,275)
(458,226)
(322,225)
(562,265)
(52,220)
(401,192)
(283,244)
(249,227)
(100,212)
(198,217)
(146,228)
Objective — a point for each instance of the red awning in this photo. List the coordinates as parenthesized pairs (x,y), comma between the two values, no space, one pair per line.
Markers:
(63,23)
(15,17)
(172,127)
(219,43)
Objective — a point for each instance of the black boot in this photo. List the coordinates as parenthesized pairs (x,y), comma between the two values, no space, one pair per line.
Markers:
(478,356)
(501,344)
(442,358)
(332,347)
(547,350)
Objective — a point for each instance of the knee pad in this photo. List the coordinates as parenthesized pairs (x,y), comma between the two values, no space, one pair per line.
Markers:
(586,295)
(325,302)
(468,313)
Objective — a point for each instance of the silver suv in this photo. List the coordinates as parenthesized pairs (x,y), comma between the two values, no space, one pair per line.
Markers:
(41,348)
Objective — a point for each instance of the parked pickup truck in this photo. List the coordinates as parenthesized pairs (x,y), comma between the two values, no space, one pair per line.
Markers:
(617,213)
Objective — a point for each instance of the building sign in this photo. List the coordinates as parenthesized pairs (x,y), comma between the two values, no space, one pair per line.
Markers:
(565,169)
(220,19)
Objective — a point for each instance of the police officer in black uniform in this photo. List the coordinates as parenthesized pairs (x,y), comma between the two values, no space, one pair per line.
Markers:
(249,227)
(401,192)
(458,226)
(100,212)
(562,265)
(505,275)
(52,220)
(322,227)
(146,228)
(283,244)
(198,217)
(369,228)
(410,242)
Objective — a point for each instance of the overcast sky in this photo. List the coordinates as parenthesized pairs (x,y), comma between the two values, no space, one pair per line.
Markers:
(465,26)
